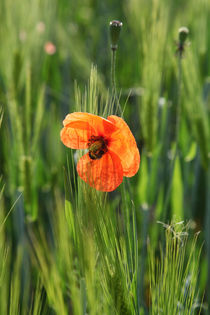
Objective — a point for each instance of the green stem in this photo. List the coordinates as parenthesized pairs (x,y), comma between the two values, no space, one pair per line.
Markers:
(178,108)
(178,116)
(113,62)
(118,109)
(207,230)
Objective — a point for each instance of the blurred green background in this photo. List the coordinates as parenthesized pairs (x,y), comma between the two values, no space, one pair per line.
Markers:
(47,46)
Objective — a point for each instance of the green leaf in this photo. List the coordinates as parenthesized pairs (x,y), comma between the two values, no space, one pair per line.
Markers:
(192,152)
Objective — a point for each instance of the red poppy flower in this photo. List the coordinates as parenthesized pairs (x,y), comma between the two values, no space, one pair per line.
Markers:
(112,150)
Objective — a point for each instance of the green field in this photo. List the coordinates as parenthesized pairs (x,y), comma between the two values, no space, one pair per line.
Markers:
(66,248)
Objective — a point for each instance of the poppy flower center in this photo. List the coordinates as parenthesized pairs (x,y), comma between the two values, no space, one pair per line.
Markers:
(97,147)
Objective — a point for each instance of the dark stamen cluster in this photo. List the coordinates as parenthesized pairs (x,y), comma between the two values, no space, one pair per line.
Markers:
(97,147)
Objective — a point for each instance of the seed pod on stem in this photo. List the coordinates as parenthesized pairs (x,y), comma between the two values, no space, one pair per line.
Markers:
(183,33)
(115,28)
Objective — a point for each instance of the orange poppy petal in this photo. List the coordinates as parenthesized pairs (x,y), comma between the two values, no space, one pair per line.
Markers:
(75,138)
(104,174)
(79,127)
(124,145)
(99,125)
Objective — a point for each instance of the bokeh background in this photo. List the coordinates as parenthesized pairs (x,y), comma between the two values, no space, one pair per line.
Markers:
(48,49)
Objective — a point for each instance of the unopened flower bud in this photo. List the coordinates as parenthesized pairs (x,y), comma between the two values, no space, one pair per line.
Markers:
(115,28)
(183,33)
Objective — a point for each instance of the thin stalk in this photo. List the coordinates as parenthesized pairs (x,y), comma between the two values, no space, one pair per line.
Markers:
(113,63)
(27,111)
(178,116)
(143,256)
(118,109)
(146,210)
(208,229)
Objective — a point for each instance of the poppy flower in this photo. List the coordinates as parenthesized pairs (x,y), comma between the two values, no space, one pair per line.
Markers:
(112,150)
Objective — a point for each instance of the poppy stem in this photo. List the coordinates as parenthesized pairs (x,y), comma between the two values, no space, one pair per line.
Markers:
(115,29)
(177,127)
(113,62)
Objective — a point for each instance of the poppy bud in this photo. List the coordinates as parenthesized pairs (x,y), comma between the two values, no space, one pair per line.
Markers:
(115,28)
(183,33)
